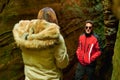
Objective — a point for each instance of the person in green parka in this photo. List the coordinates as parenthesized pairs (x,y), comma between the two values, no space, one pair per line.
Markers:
(43,48)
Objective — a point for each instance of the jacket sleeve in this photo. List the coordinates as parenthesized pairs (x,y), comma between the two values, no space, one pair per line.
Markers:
(97,52)
(61,55)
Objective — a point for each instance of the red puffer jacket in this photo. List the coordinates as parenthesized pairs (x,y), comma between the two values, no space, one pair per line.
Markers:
(88,49)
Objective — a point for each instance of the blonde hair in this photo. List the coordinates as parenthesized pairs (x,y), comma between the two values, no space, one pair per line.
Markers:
(48,14)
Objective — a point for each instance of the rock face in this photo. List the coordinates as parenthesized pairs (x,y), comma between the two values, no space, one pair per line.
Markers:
(71,16)
(111,25)
(11,63)
(116,56)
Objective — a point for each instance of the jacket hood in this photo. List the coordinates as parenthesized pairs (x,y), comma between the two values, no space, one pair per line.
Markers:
(35,33)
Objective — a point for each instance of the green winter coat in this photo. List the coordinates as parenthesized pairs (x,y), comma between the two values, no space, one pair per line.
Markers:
(43,49)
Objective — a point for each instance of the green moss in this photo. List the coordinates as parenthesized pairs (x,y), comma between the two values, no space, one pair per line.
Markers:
(116,58)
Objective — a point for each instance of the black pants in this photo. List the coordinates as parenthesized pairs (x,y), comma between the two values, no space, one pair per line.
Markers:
(82,70)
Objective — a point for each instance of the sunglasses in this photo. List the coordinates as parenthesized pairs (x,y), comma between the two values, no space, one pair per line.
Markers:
(88,27)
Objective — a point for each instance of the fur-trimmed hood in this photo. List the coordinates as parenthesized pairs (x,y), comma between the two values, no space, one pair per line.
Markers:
(36,33)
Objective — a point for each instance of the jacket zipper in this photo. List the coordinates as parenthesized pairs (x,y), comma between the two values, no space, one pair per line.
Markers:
(89,54)
(84,49)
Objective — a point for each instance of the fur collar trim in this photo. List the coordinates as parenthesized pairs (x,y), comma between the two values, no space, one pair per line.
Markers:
(35,33)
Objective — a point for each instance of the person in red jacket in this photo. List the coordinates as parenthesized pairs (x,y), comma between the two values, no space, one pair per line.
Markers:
(87,52)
